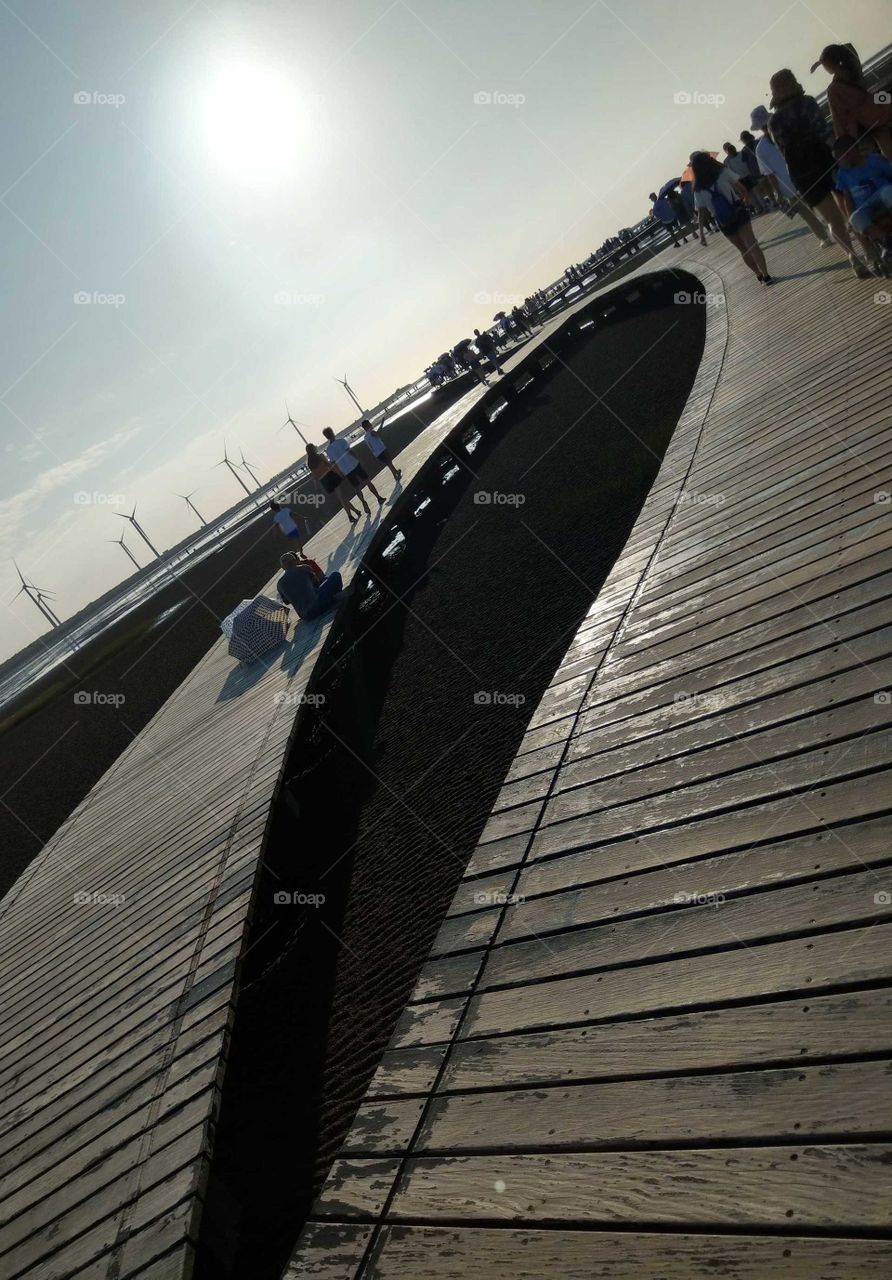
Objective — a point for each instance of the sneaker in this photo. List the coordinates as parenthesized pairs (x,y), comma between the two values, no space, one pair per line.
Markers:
(828,243)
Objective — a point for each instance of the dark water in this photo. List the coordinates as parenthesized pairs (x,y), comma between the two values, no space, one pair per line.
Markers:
(391,786)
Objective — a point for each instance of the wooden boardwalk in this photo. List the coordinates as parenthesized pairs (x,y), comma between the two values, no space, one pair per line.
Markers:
(115,1011)
(653,1038)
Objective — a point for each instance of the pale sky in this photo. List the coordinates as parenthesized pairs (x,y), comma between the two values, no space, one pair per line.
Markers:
(256,197)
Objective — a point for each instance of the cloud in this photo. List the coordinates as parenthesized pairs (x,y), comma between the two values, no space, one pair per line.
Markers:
(14,510)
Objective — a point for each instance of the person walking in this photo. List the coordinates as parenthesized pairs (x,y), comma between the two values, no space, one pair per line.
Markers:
(663,211)
(309,595)
(485,344)
(854,110)
(773,165)
(800,132)
(330,480)
(717,191)
(287,524)
(338,452)
(377,448)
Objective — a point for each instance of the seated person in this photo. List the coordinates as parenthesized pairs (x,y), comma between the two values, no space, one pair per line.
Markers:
(864,184)
(307,593)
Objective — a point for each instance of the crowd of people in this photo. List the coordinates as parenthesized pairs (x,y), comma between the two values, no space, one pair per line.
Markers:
(836,175)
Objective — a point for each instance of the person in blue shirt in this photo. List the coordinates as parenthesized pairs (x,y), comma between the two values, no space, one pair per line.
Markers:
(863,188)
(668,215)
(864,183)
(308,596)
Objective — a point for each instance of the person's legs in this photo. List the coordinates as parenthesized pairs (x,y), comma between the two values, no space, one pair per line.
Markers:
(325,593)
(815,224)
(749,250)
(357,493)
(835,219)
(352,514)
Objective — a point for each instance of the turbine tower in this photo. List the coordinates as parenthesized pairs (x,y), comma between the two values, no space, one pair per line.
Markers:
(187,498)
(346,385)
(227,462)
(140,530)
(246,466)
(119,542)
(37,596)
(289,422)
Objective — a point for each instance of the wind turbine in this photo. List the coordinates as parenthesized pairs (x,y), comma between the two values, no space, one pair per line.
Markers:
(246,466)
(227,462)
(139,529)
(119,542)
(187,498)
(37,598)
(346,385)
(289,422)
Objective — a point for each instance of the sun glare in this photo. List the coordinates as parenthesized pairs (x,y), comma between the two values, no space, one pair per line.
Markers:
(251,121)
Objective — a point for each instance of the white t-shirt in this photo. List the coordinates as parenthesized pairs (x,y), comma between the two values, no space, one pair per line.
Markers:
(738,166)
(771,161)
(285,521)
(338,452)
(725,184)
(374,444)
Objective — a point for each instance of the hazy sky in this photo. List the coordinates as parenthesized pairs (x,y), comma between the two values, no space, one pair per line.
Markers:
(255,197)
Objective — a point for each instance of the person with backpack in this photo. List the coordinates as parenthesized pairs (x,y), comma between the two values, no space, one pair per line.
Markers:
(803,137)
(718,192)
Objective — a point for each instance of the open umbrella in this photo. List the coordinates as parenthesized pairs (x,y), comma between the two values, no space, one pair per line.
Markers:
(255,627)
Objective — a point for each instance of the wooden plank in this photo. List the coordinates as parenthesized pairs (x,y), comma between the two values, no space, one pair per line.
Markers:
(792,1104)
(454,1253)
(328,1251)
(858,1023)
(845,958)
(800,1186)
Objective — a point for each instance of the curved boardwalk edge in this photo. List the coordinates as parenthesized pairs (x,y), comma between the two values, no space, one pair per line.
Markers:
(654,1032)
(120,947)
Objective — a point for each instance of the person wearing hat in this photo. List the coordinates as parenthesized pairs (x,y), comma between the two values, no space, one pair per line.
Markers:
(854,110)
(773,165)
(799,130)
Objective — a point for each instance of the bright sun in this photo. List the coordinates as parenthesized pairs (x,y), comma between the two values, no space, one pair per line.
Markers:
(250,121)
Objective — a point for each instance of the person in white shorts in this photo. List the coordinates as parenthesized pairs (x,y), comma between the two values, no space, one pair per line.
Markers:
(338,453)
(377,448)
(287,523)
